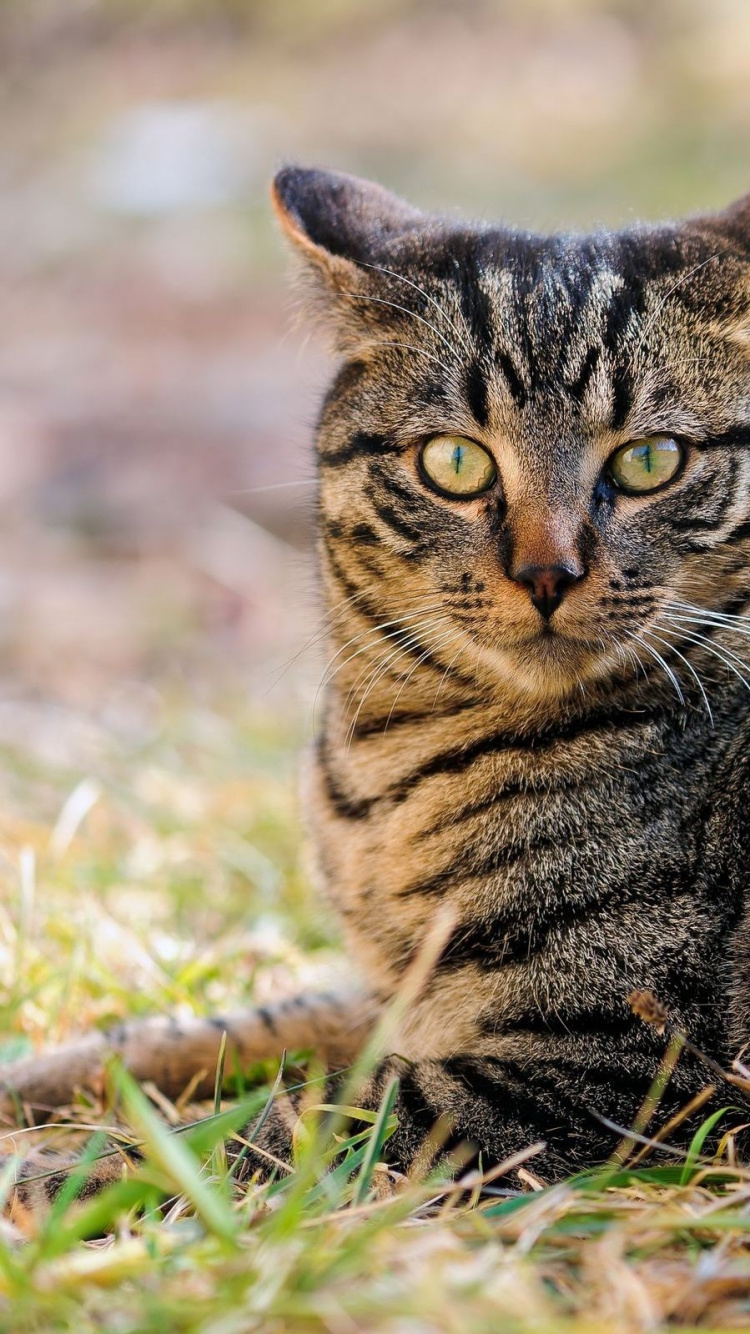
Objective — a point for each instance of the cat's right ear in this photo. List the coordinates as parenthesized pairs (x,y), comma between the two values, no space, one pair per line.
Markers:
(347,232)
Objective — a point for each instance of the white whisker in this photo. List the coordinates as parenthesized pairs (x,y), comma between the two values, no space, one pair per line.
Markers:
(380,268)
(380,301)
(433,642)
(722,654)
(689,666)
(657,656)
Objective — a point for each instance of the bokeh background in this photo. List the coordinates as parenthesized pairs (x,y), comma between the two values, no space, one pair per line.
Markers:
(156,400)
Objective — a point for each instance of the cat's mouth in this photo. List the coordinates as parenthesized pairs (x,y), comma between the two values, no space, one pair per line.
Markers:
(548,637)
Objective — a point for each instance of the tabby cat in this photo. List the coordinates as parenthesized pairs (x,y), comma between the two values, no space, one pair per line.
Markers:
(534,536)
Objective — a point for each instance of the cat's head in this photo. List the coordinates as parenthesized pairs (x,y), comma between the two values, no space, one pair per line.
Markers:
(541,443)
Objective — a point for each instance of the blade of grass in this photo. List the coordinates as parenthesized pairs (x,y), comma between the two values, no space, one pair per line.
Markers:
(651,1101)
(381,1132)
(173,1156)
(219,1156)
(252,1134)
(697,1142)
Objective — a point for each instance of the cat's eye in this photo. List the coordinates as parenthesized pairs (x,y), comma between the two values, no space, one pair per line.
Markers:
(457,466)
(645,465)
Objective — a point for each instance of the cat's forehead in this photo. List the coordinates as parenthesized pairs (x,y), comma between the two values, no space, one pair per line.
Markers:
(605,281)
(625,327)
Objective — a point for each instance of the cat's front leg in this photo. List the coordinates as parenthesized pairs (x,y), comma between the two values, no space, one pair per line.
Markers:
(579,1105)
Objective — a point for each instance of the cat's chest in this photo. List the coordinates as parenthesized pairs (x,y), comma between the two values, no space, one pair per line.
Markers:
(507,830)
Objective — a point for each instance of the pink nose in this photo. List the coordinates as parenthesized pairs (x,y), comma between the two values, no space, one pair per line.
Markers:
(547,585)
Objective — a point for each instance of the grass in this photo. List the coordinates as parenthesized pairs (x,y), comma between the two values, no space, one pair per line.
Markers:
(166,874)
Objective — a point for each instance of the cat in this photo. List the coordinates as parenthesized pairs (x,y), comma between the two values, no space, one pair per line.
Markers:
(534,539)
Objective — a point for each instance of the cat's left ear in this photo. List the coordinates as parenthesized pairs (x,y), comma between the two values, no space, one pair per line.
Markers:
(333,218)
(346,231)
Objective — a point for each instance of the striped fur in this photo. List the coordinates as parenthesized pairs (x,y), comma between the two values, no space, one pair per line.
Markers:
(575,789)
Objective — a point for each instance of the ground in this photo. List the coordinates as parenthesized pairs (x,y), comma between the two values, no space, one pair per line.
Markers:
(173,881)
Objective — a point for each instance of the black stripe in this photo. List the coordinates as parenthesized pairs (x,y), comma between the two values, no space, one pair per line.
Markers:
(561,1023)
(411,500)
(618,321)
(579,386)
(403,638)
(361,445)
(515,383)
(693,524)
(492,1080)
(462,869)
(506,938)
(472,865)
(475,388)
(622,400)
(637,600)
(476,306)
(364,534)
(737,438)
(398,523)
(421,1114)
(351,588)
(738,534)
(513,935)
(507,793)
(375,726)
(460,758)
(343,804)
(691,513)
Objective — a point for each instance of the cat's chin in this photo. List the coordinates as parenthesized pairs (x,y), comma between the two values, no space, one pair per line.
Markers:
(550,666)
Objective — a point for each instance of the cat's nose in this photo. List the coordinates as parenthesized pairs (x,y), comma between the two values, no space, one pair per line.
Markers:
(547,585)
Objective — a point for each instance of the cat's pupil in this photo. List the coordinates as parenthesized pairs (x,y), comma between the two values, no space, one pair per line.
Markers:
(458,455)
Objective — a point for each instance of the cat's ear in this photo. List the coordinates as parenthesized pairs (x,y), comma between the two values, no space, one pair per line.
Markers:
(333,218)
(346,231)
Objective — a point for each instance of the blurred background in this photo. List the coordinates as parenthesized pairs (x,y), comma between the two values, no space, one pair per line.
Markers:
(156,400)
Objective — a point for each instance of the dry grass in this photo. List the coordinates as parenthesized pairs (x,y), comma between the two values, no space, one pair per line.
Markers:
(169,878)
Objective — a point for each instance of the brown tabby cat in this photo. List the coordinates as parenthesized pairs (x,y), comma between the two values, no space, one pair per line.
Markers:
(534,518)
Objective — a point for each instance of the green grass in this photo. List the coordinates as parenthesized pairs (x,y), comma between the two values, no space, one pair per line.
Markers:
(167,875)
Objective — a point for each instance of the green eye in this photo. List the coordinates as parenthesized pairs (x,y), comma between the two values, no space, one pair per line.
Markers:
(646,464)
(457,466)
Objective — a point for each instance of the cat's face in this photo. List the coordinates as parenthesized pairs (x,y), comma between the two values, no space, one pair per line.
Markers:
(537,451)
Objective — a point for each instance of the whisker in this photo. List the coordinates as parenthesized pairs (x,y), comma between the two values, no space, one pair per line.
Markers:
(722,654)
(449,371)
(375,638)
(706,612)
(403,641)
(380,268)
(272,486)
(743,632)
(444,677)
(402,649)
(451,634)
(375,635)
(332,619)
(381,301)
(655,654)
(389,638)
(435,642)
(690,668)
